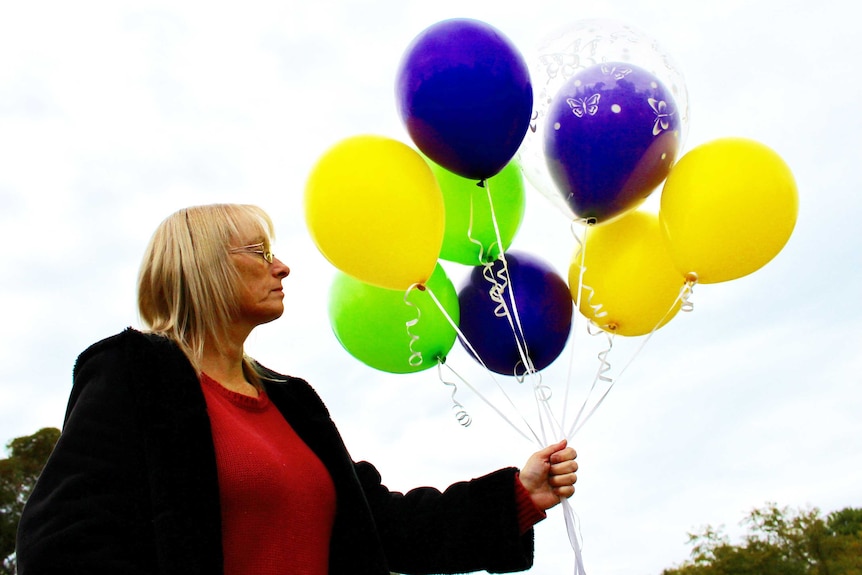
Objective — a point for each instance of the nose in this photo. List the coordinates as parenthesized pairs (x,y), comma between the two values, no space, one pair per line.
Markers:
(279,268)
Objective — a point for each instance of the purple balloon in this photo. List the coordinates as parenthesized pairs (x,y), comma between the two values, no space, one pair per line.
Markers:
(463,91)
(544,307)
(611,137)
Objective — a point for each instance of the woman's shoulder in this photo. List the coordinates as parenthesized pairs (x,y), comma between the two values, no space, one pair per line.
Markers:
(130,345)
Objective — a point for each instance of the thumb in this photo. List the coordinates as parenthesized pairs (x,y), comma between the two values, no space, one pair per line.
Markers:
(553,448)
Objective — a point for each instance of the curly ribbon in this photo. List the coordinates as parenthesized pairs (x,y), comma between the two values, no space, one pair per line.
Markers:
(498,282)
(415,359)
(491,405)
(603,369)
(604,365)
(502,311)
(598,313)
(473,351)
(499,286)
(461,416)
(687,291)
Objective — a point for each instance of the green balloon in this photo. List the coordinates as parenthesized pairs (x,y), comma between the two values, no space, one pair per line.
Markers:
(460,238)
(377,327)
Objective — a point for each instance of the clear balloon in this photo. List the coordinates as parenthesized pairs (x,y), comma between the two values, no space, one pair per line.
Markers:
(543,305)
(375,211)
(574,47)
(379,328)
(727,208)
(611,137)
(463,91)
(629,285)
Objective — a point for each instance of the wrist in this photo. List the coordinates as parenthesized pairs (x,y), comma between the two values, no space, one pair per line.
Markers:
(528,512)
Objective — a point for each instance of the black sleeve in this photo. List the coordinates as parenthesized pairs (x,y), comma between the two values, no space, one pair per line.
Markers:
(88,512)
(471,526)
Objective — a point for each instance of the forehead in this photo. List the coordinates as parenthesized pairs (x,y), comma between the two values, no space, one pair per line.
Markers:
(251,230)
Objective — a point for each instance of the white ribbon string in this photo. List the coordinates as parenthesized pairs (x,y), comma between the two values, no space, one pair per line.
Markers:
(415,358)
(461,414)
(571,529)
(473,351)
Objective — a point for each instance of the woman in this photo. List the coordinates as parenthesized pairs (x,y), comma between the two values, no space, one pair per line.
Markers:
(179,454)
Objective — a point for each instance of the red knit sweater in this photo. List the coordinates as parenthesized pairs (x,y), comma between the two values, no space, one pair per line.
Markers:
(277,498)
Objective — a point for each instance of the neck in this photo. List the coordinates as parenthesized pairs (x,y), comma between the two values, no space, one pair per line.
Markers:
(225,365)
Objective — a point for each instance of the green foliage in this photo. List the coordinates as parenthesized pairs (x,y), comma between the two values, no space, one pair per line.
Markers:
(781,541)
(18,474)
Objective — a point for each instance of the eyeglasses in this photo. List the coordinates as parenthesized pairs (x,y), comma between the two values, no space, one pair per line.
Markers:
(259,249)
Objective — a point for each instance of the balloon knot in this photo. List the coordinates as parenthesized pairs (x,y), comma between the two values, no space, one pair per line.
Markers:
(691,277)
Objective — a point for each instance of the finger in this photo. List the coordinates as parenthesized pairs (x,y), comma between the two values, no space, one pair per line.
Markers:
(564,455)
(564,492)
(563,480)
(569,466)
(554,448)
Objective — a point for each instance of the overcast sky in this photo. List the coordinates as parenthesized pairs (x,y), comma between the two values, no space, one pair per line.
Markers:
(114,114)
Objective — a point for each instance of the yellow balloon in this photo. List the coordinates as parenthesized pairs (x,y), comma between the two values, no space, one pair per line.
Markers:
(630,285)
(375,211)
(727,208)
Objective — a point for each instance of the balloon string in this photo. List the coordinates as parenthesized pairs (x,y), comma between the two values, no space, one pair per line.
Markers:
(598,313)
(574,540)
(522,342)
(687,291)
(415,358)
(580,253)
(477,242)
(604,367)
(543,396)
(685,305)
(579,256)
(500,284)
(497,235)
(473,351)
(596,307)
(587,292)
(461,415)
(489,404)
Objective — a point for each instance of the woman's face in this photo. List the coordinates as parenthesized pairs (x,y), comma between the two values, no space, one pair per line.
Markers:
(261,298)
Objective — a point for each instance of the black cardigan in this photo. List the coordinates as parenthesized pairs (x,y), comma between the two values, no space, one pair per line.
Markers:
(132,486)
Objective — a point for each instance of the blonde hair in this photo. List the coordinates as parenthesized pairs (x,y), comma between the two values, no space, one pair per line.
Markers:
(188,286)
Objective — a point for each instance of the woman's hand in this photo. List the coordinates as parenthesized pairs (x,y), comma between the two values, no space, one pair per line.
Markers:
(550,475)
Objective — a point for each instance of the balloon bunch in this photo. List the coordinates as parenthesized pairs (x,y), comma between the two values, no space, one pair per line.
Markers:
(384,214)
(604,132)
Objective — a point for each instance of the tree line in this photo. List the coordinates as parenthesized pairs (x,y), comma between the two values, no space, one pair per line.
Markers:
(780,541)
